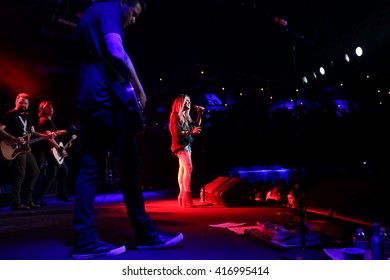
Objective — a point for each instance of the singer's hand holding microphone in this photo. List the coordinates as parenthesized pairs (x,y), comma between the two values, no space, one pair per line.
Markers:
(200,109)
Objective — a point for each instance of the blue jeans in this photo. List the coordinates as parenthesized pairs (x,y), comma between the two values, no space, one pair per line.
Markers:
(25,173)
(53,174)
(97,140)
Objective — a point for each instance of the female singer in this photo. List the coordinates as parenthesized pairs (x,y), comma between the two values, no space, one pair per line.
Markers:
(182,128)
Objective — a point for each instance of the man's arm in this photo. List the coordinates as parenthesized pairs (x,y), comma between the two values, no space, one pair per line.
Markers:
(38,134)
(4,134)
(54,143)
(115,47)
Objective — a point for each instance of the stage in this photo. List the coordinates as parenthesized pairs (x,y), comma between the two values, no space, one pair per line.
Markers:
(46,233)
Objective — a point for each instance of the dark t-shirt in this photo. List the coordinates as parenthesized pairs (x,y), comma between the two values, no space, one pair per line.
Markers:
(17,124)
(98,20)
(47,124)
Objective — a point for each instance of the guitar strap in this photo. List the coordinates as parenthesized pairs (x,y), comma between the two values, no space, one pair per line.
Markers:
(24,122)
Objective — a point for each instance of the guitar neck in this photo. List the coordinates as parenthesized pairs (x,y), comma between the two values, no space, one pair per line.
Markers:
(67,144)
(31,141)
(70,141)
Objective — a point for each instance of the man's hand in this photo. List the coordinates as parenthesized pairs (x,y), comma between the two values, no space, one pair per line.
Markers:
(64,153)
(19,140)
(142,99)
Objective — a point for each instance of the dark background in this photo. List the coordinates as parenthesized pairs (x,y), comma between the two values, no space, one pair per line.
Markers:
(236,38)
(240,46)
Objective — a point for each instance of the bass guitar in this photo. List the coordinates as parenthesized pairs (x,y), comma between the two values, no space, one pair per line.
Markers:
(10,150)
(57,156)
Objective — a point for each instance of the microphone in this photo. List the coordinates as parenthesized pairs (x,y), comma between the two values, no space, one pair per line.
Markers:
(198,108)
(201,109)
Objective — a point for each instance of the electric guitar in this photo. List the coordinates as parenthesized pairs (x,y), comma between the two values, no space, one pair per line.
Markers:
(57,156)
(124,89)
(135,107)
(10,149)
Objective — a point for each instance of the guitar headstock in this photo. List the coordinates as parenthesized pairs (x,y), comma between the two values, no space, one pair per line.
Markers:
(74,136)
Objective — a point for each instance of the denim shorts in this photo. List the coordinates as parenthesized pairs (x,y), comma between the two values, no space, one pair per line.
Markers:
(185,149)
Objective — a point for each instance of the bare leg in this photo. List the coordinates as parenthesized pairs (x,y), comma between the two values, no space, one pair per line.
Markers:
(185,170)
(186,167)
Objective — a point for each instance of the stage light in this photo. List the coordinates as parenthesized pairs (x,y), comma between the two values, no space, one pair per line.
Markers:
(346,57)
(322,70)
(359,51)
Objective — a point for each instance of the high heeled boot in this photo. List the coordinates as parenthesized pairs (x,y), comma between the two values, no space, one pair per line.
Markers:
(187,200)
(180,198)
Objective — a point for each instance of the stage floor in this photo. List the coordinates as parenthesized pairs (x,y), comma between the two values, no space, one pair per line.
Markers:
(46,233)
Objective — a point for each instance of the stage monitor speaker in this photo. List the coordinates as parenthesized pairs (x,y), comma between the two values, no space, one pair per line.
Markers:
(227,191)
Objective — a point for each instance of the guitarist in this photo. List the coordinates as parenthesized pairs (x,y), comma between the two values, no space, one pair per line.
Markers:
(15,124)
(54,173)
(107,126)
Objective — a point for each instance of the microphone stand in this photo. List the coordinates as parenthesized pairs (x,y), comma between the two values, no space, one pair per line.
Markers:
(202,160)
(302,253)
